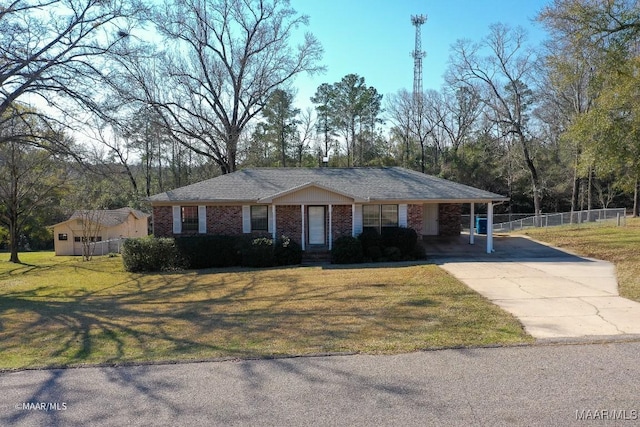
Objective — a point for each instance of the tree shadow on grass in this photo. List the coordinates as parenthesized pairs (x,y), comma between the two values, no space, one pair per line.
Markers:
(196,316)
(228,316)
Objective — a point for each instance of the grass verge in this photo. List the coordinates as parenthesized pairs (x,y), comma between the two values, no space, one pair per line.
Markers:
(60,311)
(606,241)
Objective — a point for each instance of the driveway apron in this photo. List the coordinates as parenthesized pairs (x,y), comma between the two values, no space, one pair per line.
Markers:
(555,294)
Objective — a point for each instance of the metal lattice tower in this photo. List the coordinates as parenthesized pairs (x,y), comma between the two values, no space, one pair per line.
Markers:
(418,54)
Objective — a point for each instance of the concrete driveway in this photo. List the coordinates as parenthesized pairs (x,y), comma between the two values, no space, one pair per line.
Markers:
(554,293)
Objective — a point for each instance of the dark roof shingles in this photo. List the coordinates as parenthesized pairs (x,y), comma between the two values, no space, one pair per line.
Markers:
(391,183)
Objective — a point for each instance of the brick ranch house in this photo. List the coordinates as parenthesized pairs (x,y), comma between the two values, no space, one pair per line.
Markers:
(315,206)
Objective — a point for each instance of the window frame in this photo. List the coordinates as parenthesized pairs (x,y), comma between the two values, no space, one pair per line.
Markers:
(256,221)
(63,236)
(189,223)
(378,222)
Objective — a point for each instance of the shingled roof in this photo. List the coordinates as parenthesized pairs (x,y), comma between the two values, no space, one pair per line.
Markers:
(362,184)
(107,217)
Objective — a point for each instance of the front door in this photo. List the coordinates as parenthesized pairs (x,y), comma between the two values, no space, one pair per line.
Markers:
(316,225)
(430,219)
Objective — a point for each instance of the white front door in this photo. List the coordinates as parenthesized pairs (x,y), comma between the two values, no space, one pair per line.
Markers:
(430,219)
(316,225)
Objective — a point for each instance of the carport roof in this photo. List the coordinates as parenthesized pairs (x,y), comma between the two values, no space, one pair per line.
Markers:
(380,184)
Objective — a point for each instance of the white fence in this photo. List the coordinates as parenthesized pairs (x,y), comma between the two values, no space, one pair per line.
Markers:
(550,220)
(106,247)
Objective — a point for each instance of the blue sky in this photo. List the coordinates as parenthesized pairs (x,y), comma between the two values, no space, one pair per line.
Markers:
(374,38)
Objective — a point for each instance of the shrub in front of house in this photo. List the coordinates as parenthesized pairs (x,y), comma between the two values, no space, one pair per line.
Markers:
(393,244)
(209,251)
(259,253)
(151,254)
(404,239)
(372,245)
(347,250)
(287,252)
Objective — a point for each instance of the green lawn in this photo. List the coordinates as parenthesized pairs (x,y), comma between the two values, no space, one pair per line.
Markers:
(606,241)
(60,311)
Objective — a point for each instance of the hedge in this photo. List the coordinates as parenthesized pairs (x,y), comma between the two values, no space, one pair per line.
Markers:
(347,250)
(151,254)
(210,251)
(198,252)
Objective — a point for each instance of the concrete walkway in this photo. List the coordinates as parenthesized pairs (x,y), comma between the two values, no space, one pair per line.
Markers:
(555,294)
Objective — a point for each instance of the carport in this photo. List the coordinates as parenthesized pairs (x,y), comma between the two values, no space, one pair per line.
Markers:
(472,234)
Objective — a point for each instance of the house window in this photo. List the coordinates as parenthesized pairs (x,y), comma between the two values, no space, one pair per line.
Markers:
(63,236)
(77,239)
(189,218)
(379,216)
(389,215)
(259,218)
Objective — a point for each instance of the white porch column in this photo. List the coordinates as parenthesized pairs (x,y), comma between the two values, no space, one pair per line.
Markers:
(472,225)
(273,219)
(330,227)
(302,237)
(489,227)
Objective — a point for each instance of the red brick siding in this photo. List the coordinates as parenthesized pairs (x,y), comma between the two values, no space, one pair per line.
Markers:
(449,217)
(415,218)
(162,221)
(224,220)
(288,222)
(342,222)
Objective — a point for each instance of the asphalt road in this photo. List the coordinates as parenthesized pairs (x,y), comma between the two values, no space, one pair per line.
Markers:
(539,385)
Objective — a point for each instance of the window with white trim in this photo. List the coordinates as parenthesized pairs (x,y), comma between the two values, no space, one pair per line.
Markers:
(189,218)
(259,218)
(379,216)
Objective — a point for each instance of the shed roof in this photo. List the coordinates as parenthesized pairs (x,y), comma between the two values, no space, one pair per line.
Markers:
(107,217)
(363,184)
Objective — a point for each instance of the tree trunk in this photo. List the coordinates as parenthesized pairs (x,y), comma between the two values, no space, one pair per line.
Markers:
(636,199)
(576,187)
(590,190)
(13,241)
(535,180)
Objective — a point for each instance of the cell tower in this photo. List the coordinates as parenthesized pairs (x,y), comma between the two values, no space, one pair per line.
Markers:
(418,54)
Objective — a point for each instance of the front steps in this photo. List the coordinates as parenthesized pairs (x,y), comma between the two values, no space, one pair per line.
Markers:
(316,256)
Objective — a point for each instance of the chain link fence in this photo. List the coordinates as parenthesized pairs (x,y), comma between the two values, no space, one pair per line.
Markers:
(564,218)
(106,247)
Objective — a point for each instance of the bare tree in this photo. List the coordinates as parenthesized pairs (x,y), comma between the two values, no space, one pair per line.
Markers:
(30,177)
(304,134)
(415,119)
(504,67)
(222,61)
(91,230)
(53,51)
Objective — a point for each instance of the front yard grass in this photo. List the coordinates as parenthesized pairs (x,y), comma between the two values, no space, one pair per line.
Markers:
(60,311)
(606,241)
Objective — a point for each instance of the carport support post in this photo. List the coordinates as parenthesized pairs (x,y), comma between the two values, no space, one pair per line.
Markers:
(472,226)
(489,227)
